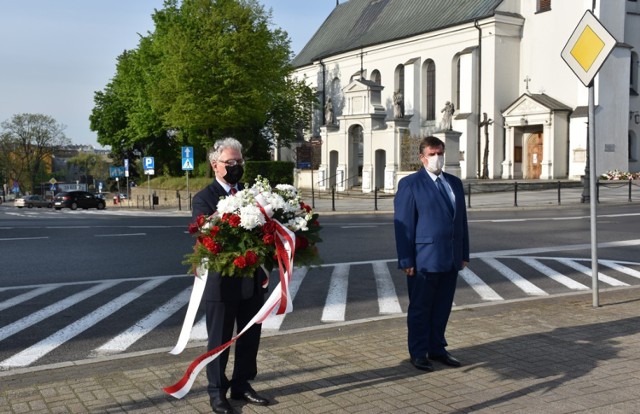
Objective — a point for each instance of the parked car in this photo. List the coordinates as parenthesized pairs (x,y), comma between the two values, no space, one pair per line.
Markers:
(77,199)
(31,201)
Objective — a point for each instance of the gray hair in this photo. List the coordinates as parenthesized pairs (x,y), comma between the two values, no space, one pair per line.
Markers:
(222,144)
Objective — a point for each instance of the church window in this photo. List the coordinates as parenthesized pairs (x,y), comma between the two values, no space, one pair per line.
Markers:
(633,74)
(430,90)
(375,77)
(544,5)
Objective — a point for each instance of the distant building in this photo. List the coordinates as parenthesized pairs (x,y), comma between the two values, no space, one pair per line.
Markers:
(499,57)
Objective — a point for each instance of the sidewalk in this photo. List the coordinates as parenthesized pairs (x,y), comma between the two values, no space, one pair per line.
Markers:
(554,355)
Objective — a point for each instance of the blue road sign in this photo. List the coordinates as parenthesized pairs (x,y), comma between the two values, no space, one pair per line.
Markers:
(187,158)
(115,172)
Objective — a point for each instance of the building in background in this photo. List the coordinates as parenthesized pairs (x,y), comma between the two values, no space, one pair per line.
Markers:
(486,76)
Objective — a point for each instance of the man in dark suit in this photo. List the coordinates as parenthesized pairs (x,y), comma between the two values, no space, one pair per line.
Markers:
(432,241)
(230,300)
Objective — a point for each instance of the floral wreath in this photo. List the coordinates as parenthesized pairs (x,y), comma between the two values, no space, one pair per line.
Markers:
(241,235)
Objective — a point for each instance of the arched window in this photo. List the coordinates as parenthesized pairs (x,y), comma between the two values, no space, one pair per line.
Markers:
(399,79)
(375,77)
(429,68)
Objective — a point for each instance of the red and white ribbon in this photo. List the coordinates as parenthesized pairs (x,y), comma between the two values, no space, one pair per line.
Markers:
(279,298)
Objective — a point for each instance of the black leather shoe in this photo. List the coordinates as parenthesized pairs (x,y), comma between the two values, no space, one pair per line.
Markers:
(422,364)
(221,405)
(250,396)
(446,359)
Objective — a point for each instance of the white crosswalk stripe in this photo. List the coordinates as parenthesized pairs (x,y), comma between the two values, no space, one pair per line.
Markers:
(377,282)
(526,286)
(547,271)
(336,304)
(587,272)
(481,288)
(125,339)
(387,299)
(275,321)
(37,351)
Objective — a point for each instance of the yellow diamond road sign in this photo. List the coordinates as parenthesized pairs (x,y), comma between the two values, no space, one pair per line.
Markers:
(588,48)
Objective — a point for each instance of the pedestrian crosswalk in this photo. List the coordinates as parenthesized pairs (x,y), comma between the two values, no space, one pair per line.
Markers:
(116,316)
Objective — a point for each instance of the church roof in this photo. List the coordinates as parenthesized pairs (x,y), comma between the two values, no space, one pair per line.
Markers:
(359,23)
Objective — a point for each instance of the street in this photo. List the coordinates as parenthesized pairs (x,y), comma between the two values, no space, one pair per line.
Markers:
(77,285)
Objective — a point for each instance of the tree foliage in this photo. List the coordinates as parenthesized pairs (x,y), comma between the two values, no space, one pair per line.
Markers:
(210,68)
(27,145)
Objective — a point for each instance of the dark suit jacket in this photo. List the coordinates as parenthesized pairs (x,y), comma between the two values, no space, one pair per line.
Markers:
(428,237)
(219,288)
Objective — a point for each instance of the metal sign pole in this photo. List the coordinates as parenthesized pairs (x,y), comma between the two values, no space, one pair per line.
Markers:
(593,198)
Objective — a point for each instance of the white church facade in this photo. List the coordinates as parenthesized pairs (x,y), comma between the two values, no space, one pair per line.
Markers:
(386,73)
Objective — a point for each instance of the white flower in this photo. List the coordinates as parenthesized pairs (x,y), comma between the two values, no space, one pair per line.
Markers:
(251,217)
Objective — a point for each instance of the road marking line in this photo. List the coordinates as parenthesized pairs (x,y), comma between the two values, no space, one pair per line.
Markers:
(547,271)
(621,269)
(37,351)
(125,339)
(25,296)
(336,303)
(199,331)
(589,272)
(23,238)
(526,286)
(387,298)
(52,309)
(275,321)
(120,235)
(478,285)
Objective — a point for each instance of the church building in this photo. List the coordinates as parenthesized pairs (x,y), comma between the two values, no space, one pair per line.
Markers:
(486,76)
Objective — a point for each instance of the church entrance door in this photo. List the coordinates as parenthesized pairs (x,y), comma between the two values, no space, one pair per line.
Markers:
(534,155)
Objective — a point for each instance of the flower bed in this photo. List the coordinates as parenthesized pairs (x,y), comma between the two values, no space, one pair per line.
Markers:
(620,175)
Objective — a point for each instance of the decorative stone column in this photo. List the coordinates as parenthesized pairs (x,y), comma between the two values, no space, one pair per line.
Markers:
(451,141)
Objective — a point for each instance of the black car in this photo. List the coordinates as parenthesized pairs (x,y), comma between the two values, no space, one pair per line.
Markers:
(77,199)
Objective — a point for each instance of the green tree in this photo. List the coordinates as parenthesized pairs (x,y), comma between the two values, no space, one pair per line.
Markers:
(27,144)
(210,68)
(90,165)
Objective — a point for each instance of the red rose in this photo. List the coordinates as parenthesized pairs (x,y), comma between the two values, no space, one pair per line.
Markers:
(214,230)
(193,228)
(305,207)
(269,227)
(234,220)
(251,258)
(240,262)
(211,245)
(200,220)
(268,239)
(301,243)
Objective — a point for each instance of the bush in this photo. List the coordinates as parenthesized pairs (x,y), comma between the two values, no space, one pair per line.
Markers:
(277,172)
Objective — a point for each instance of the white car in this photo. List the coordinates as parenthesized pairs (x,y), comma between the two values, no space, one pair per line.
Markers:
(31,201)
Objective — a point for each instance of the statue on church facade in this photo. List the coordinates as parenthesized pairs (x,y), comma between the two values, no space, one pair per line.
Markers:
(329,117)
(447,116)
(398,105)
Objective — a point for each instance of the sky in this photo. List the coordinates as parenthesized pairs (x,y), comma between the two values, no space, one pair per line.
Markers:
(54,54)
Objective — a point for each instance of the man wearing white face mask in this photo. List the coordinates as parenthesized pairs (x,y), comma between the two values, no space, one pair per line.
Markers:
(432,242)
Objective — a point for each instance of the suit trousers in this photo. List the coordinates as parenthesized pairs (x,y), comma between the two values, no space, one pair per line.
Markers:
(430,302)
(221,319)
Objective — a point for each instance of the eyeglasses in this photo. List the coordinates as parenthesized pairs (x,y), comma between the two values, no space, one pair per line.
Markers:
(232,162)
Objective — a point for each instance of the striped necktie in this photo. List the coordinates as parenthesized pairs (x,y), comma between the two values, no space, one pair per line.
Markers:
(233,190)
(443,193)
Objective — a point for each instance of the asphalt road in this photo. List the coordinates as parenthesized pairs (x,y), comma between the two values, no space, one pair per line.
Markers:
(76,285)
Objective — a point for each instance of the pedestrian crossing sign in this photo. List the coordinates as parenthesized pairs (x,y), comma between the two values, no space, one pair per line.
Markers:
(187,158)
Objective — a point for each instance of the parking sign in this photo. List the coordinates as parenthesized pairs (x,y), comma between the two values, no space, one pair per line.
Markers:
(149,165)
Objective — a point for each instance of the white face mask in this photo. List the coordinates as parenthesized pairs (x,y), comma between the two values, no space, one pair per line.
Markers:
(435,163)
